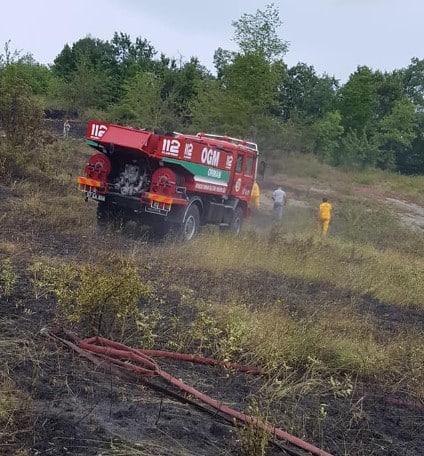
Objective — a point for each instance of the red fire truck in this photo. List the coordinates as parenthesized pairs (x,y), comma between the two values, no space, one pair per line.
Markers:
(169,182)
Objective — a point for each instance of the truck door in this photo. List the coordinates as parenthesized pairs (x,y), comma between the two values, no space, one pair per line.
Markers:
(249,173)
(244,175)
(238,175)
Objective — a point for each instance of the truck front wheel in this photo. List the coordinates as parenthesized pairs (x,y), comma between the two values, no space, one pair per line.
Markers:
(191,223)
(237,221)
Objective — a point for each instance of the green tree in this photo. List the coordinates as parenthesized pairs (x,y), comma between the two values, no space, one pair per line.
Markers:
(396,133)
(257,34)
(359,101)
(114,61)
(412,162)
(413,82)
(64,64)
(217,111)
(253,79)
(390,89)
(86,88)
(327,133)
(90,66)
(253,73)
(141,105)
(305,95)
(180,87)
(37,77)
(128,59)
(357,149)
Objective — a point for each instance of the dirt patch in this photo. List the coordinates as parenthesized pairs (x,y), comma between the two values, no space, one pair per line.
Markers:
(411,214)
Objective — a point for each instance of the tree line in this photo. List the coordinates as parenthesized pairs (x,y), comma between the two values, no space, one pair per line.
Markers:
(375,119)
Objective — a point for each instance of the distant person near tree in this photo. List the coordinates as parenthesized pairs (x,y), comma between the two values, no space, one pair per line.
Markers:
(280,200)
(255,196)
(66,128)
(324,216)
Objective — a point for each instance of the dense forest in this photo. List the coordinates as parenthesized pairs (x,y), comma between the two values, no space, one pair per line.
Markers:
(375,119)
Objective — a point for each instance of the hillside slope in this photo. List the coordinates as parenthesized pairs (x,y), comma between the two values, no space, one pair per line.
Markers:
(335,324)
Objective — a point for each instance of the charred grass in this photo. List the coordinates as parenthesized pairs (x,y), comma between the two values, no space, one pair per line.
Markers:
(336,325)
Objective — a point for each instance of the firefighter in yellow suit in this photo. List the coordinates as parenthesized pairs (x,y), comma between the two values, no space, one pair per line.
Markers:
(255,196)
(324,216)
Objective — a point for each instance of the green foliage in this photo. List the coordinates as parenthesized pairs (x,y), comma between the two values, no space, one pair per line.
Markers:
(217,111)
(37,78)
(374,119)
(20,112)
(104,295)
(86,88)
(8,278)
(327,133)
(257,34)
(180,88)
(413,82)
(358,100)
(305,95)
(356,149)
(390,89)
(248,71)
(396,132)
(141,105)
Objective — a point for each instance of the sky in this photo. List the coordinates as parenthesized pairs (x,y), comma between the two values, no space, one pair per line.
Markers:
(334,36)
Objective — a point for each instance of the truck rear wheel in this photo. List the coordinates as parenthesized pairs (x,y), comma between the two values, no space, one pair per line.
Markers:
(191,223)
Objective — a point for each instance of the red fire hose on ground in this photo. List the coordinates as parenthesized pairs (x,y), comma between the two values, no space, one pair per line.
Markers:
(141,362)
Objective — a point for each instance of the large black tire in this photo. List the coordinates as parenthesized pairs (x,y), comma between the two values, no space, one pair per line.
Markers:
(236,222)
(191,224)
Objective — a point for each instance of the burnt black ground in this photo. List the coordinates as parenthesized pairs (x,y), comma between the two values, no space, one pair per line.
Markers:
(78,410)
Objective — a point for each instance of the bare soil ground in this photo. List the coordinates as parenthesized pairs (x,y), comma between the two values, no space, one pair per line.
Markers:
(76,409)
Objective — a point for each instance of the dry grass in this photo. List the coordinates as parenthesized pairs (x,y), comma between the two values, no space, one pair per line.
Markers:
(387,274)
(333,342)
(407,187)
(367,253)
(308,171)
(15,402)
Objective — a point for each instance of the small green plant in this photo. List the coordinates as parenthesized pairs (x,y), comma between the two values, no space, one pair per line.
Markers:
(254,436)
(342,388)
(8,278)
(235,321)
(205,331)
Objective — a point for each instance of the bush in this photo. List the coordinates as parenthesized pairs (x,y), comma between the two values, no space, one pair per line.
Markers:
(20,112)
(103,297)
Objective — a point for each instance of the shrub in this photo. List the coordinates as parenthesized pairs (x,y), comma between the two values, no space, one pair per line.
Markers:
(103,296)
